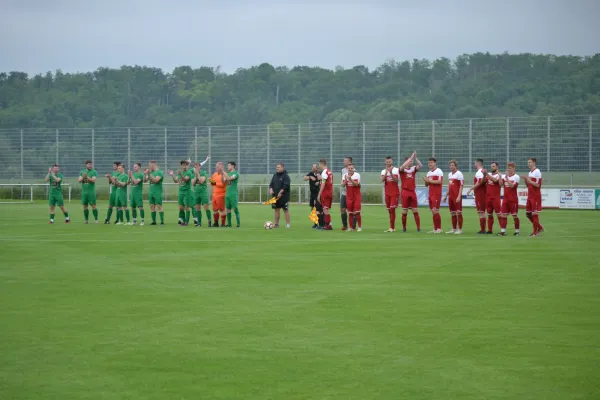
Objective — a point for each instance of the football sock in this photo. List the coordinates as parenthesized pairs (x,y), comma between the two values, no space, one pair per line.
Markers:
(404,217)
(208,216)
(321,220)
(51,216)
(66,214)
(162,216)
(351,218)
(95,214)
(216,218)
(490,222)
(536,222)
(460,221)
(134,213)
(119,218)
(327,219)
(229,218)
(358,219)
(417,220)
(86,214)
(153,215)
(142,213)
(223,217)
(481,224)
(237,215)
(454,221)
(181,215)
(187,217)
(109,214)
(127,215)
(393,218)
(517,223)
(345,220)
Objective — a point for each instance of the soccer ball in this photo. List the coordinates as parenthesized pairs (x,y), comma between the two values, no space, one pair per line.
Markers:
(268,225)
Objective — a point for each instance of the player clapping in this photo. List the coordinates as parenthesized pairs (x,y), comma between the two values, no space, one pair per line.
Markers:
(456,182)
(478,189)
(434,180)
(510,202)
(534,196)
(351,181)
(55,195)
(390,177)
(408,177)
(492,195)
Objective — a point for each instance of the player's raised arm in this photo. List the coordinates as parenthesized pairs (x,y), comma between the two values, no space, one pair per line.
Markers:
(492,178)
(47,178)
(175,178)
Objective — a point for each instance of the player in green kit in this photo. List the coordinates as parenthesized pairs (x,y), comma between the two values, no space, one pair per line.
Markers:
(87,178)
(200,183)
(184,178)
(231,194)
(155,177)
(113,191)
(55,195)
(136,180)
(121,181)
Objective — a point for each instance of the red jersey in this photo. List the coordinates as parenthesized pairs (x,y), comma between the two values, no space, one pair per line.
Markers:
(535,176)
(435,191)
(492,190)
(511,194)
(408,176)
(327,177)
(479,177)
(352,192)
(455,181)
(391,186)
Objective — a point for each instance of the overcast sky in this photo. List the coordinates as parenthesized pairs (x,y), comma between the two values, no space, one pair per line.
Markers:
(37,36)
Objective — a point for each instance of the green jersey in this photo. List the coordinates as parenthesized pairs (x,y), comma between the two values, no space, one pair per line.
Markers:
(186,186)
(232,185)
(139,188)
(55,186)
(114,174)
(122,178)
(201,188)
(157,187)
(88,187)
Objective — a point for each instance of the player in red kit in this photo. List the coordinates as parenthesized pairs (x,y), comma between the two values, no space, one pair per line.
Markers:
(456,183)
(478,189)
(534,196)
(434,180)
(351,182)
(408,195)
(493,188)
(325,196)
(390,177)
(510,202)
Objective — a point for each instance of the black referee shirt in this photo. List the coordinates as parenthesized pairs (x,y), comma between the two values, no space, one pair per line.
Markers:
(314,185)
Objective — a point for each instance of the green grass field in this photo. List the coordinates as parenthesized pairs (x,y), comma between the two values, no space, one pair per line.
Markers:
(130,312)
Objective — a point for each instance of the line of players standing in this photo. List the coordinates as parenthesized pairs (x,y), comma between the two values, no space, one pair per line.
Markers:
(400,184)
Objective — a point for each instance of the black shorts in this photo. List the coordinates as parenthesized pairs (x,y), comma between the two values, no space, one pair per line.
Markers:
(281,203)
(313,199)
(343,201)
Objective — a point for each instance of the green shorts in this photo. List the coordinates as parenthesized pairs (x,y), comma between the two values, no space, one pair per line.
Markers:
(112,199)
(56,199)
(121,199)
(201,198)
(135,199)
(155,198)
(88,198)
(185,199)
(231,202)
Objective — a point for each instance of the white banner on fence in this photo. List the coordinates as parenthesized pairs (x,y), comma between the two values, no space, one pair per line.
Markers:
(577,198)
(550,198)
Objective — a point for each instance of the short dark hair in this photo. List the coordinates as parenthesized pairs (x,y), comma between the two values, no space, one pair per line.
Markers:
(152,161)
(183,162)
(88,161)
(479,160)
(117,163)
(279,163)
(232,163)
(495,162)
(388,158)
(348,158)
(54,165)
(533,159)
(139,164)
(432,159)
(323,161)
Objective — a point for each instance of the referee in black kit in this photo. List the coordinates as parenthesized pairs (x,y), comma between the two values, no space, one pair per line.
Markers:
(314,183)
(280,188)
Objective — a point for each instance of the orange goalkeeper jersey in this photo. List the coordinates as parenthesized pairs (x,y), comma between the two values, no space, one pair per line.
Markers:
(220,186)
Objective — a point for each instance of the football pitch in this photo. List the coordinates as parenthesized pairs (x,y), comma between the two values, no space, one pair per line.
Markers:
(144,312)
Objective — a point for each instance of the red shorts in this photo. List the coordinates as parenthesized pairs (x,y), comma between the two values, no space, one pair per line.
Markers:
(391,201)
(409,199)
(218,203)
(434,203)
(493,205)
(454,205)
(534,205)
(510,207)
(353,204)
(480,203)
(326,200)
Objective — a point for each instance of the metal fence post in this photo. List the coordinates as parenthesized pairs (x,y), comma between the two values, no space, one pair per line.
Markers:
(470,145)
(22,152)
(331,145)
(433,138)
(128,148)
(196,143)
(209,147)
(364,146)
(57,146)
(93,147)
(548,146)
(239,153)
(299,149)
(507,140)
(590,146)
(166,157)
(398,142)
(268,147)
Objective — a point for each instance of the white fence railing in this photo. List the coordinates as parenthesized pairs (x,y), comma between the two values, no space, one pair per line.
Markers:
(28,192)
